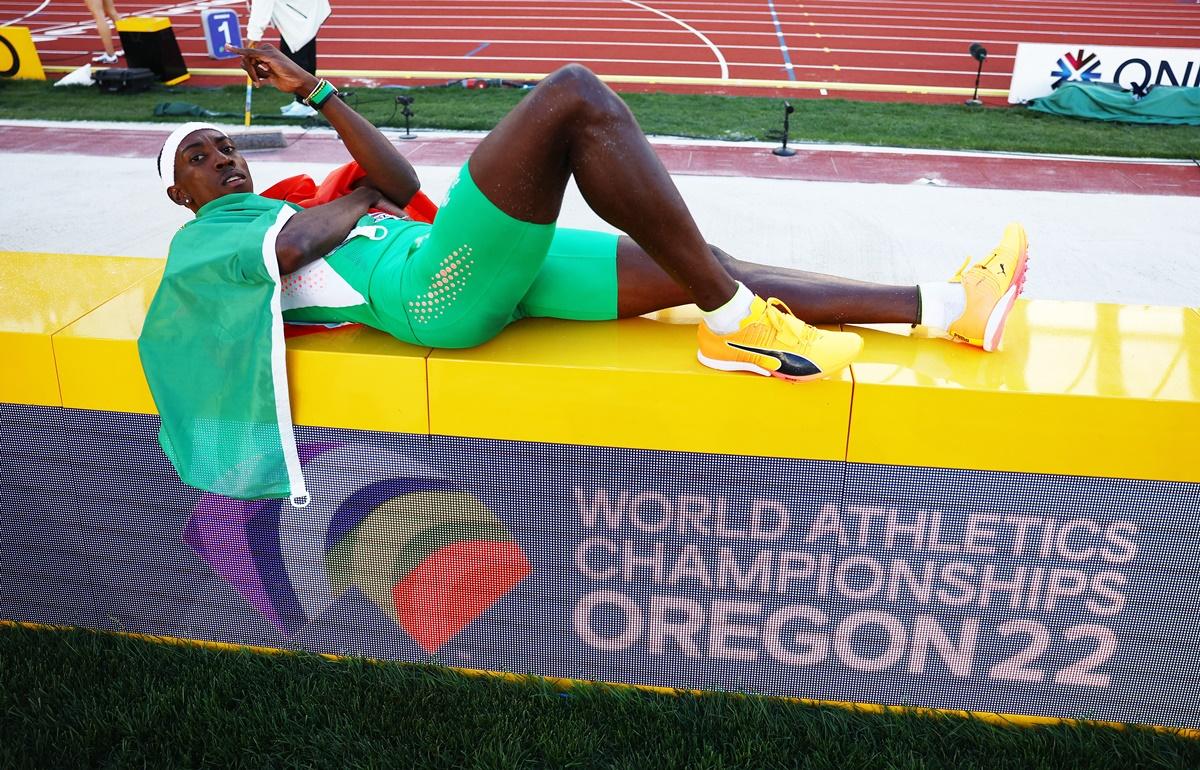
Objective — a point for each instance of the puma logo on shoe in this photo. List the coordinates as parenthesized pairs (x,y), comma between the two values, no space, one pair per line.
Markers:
(790,364)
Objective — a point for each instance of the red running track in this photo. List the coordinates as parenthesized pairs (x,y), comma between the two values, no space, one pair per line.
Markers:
(884,46)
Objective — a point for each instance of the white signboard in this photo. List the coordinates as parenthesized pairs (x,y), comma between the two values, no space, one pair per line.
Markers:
(1042,67)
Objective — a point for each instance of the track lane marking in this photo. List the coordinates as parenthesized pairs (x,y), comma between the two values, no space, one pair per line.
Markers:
(536,43)
(783,46)
(971,15)
(1086,28)
(716,51)
(34,12)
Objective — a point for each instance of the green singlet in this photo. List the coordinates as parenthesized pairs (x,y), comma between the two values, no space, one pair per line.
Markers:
(459,282)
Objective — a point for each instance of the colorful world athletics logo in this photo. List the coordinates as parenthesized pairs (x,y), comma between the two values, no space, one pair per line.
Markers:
(1079,66)
(429,554)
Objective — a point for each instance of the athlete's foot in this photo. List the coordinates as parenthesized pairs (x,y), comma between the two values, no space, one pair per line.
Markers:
(773,342)
(105,58)
(991,287)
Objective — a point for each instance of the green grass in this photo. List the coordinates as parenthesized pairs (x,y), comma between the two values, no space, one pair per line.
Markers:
(79,698)
(898,124)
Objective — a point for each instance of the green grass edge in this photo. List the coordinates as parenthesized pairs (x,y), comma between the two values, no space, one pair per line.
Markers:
(74,697)
(699,116)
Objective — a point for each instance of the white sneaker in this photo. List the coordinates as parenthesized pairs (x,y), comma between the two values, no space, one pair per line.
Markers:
(104,58)
(297,110)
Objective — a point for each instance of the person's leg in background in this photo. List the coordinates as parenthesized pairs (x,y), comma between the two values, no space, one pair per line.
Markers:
(102,11)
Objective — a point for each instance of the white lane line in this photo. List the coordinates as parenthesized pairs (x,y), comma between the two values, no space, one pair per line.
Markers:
(1085,29)
(1056,9)
(1020,37)
(34,12)
(960,14)
(533,44)
(783,46)
(1066,8)
(716,51)
(989,15)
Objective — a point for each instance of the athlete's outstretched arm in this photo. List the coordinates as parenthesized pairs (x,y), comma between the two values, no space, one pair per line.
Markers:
(387,170)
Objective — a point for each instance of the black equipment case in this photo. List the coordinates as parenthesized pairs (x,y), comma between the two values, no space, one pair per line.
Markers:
(124,81)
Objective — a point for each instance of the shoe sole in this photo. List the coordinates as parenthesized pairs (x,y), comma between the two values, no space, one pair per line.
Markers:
(993,331)
(746,366)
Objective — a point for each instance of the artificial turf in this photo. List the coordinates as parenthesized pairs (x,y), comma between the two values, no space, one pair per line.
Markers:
(87,699)
(896,124)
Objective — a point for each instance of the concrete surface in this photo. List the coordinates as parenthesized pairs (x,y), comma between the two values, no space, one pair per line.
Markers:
(1112,247)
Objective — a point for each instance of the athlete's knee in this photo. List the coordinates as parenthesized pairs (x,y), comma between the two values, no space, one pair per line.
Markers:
(582,91)
(572,77)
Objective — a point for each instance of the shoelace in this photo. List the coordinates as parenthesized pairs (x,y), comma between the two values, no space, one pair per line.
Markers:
(807,334)
(984,264)
(958,276)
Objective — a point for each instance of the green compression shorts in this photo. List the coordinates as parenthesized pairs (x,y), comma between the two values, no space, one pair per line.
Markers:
(478,270)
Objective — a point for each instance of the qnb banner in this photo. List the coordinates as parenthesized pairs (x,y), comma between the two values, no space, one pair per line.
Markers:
(1042,67)
(1016,593)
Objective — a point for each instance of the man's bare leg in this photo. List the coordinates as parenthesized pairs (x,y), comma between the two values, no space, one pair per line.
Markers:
(643,287)
(574,125)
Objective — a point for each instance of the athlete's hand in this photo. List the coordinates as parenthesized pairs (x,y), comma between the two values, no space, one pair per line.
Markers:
(388,206)
(265,62)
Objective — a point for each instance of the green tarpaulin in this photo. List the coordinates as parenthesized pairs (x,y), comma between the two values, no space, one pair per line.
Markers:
(1163,104)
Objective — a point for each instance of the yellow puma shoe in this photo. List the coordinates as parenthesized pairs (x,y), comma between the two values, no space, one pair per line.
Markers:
(991,286)
(774,343)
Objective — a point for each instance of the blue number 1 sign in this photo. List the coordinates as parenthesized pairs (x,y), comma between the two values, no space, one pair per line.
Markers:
(220,29)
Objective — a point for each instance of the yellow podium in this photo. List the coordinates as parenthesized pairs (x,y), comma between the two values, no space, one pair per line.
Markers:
(150,42)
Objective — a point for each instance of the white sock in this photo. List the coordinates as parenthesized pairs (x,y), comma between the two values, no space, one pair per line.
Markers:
(941,304)
(728,317)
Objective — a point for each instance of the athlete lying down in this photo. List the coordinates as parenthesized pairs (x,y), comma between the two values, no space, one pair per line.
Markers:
(494,254)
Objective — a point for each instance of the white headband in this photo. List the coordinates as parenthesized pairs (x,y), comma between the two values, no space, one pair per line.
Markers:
(166,156)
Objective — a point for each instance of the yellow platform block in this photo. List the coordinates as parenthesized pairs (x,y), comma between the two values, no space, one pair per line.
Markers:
(345,378)
(18,55)
(358,377)
(633,383)
(43,294)
(1079,388)
(98,365)
(143,24)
